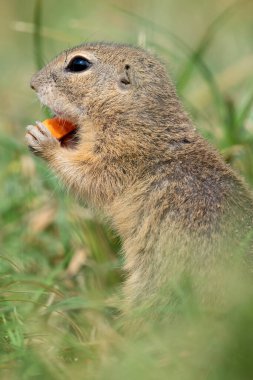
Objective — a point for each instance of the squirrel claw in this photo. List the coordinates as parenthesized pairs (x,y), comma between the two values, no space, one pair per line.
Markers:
(40,140)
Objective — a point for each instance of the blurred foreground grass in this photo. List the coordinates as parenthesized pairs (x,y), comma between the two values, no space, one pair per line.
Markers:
(60,267)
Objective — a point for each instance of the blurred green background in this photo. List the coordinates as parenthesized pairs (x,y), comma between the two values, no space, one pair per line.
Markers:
(60,266)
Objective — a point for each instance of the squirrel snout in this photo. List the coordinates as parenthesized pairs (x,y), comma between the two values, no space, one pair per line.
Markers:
(35,82)
(32,85)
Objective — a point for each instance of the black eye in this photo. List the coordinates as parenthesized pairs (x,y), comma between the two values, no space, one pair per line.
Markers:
(78,64)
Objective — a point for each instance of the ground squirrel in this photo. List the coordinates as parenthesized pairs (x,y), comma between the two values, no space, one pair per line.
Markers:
(136,155)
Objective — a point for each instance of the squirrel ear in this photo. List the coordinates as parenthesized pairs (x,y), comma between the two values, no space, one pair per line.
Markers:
(125,77)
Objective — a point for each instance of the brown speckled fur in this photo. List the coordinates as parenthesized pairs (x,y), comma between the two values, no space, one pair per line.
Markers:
(175,203)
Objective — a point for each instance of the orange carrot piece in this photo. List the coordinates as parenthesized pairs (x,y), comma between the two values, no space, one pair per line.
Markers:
(59,127)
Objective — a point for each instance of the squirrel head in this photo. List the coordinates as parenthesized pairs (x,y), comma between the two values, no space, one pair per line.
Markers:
(106,82)
(117,88)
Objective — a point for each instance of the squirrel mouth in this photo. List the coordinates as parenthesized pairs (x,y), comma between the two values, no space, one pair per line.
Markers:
(71,139)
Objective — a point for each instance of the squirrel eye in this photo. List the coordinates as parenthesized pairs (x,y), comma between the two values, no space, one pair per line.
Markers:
(78,64)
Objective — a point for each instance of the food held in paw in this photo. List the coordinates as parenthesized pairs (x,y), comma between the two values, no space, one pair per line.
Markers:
(59,127)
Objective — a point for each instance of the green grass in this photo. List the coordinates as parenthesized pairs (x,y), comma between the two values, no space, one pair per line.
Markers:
(60,266)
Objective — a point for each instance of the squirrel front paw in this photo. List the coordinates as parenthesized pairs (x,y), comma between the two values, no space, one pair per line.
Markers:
(40,140)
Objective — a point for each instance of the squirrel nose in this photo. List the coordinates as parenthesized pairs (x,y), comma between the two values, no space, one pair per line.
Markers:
(34,83)
(32,86)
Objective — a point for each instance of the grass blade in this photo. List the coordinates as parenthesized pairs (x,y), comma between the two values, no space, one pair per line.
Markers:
(37,39)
